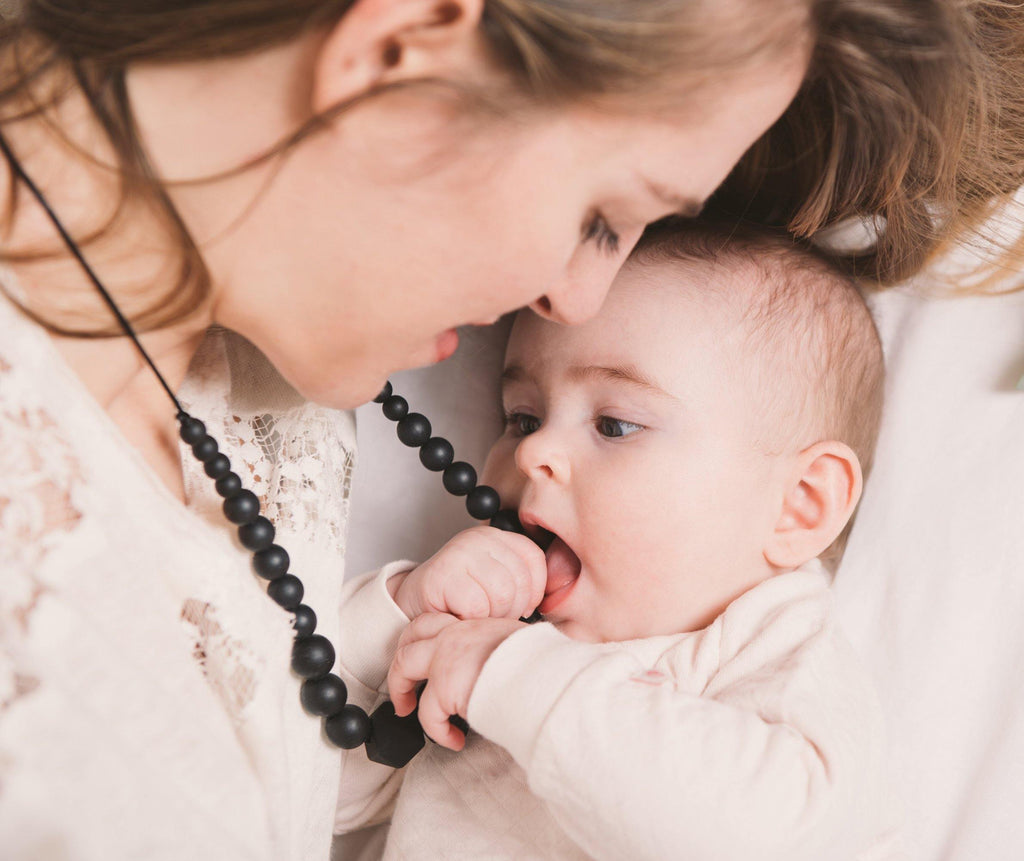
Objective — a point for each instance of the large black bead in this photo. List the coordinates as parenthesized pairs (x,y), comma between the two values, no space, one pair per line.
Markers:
(257,535)
(459,478)
(414,429)
(206,449)
(304,622)
(286,591)
(271,562)
(507,521)
(192,430)
(243,507)
(228,485)
(437,454)
(396,408)
(324,696)
(385,393)
(218,465)
(393,740)
(349,728)
(483,502)
(312,656)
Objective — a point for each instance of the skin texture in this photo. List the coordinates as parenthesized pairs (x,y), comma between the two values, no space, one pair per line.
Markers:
(410,214)
(634,438)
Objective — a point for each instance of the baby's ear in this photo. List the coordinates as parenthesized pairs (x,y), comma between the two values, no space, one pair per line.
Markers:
(821,492)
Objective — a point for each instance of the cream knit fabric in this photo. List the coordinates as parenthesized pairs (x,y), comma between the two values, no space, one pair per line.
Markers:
(757,737)
(147,709)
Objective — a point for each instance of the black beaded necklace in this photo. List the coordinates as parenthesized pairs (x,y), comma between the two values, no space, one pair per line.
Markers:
(389,739)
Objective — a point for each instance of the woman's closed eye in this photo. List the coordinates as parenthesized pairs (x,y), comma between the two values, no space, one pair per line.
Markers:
(612,427)
(597,230)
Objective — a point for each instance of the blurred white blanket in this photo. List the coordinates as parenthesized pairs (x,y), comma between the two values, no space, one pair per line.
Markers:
(931,591)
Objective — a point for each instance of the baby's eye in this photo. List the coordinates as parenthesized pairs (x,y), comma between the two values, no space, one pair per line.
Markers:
(522,424)
(609,427)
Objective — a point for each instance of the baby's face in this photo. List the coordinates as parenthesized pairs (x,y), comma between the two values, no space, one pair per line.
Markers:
(631,438)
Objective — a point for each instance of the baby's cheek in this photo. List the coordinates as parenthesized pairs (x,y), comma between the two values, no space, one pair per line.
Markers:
(500,472)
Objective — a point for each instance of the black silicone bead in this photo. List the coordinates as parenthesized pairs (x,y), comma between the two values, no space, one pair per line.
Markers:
(414,429)
(483,502)
(271,562)
(258,535)
(286,591)
(324,696)
(218,466)
(459,478)
(206,449)
(396,408)
(228,485)
(437,454)
(243,507)
(393,740)
(192,430)
(507,521)
(304,622)
(385,393)
(312,656)
(349,728)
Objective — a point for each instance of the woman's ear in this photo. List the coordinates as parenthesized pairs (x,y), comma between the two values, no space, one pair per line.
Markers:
(385,41)
(821,492)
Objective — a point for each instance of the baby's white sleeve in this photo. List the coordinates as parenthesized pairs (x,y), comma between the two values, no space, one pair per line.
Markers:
(371,624)
(635,764)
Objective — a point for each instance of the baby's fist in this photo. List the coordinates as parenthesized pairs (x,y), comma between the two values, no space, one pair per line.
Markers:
(482,572)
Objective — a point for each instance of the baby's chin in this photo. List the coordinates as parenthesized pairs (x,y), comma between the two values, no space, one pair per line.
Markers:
(579,631)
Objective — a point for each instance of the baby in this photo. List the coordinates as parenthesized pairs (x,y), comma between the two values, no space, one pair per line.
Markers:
(687,459)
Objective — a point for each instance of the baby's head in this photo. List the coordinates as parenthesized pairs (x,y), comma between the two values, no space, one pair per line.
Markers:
(708,429)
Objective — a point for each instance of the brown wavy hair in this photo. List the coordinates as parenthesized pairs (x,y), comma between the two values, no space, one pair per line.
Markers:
(911,113)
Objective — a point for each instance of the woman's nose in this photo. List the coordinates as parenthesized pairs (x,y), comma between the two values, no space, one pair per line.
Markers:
(540,457)
(579,293)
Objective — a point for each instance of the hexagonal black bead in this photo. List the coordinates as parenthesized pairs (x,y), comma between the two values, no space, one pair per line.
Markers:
(396,408)
(312,656)
(324,696)
(385,393)
(459,478)
(507,521)
(192,430)
(205,449)
(218,465)
(393,740)
(414,429)
(257,535)
(229,484)
(243,507)
(271,562)
(304,622)
(483,502)
(349,728)
(437,454)
(286,591)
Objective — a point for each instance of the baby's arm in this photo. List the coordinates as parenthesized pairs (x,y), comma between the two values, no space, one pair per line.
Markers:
(758,759)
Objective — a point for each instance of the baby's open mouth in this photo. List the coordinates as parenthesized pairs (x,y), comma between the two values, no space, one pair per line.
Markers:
(563,572)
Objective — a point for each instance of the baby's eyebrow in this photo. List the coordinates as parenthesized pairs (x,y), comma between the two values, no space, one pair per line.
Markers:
(618,374)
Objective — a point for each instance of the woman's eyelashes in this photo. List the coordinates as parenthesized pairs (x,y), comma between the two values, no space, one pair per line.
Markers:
(597,230)
(524,424)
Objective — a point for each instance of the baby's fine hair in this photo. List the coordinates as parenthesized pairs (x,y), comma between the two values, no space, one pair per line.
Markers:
(803,319)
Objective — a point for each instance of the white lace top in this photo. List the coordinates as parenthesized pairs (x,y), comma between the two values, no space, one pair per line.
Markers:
(147,709)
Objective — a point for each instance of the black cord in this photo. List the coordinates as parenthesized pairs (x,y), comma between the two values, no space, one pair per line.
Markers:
(77,252)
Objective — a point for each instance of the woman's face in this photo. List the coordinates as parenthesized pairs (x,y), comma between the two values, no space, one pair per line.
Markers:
(405,219)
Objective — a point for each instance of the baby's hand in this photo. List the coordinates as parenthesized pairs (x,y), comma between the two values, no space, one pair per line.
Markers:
(481,572)
(448,654)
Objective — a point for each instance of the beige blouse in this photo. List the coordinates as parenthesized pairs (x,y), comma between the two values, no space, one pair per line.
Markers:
(147,708)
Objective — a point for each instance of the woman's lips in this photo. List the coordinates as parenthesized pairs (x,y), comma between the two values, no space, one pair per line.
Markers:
(446,344)
(563,573)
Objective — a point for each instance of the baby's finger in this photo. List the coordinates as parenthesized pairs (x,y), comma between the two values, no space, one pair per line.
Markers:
(536,569)
(433,717)
(425,626)
(410,666)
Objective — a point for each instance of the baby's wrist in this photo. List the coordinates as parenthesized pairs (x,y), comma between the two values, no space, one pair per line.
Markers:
(400,595)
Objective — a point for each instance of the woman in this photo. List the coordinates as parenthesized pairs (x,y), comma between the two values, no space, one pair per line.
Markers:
(333,187)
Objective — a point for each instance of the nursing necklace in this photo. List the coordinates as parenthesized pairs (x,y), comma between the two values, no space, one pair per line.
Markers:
(389,739)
